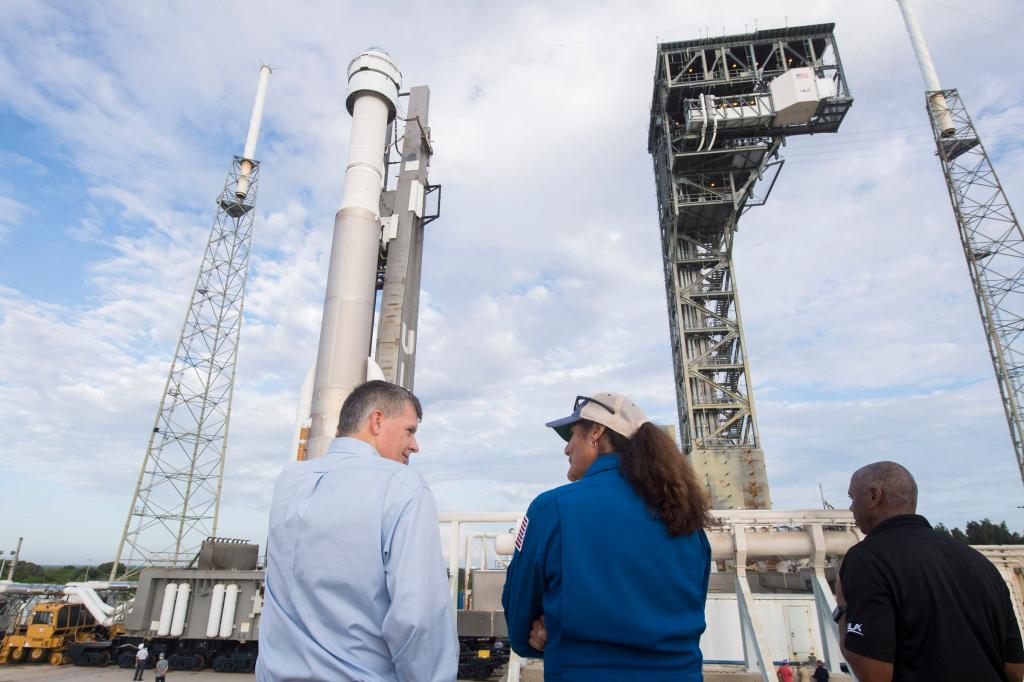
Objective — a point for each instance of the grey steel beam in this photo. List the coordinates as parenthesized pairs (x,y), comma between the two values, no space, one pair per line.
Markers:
(402,263)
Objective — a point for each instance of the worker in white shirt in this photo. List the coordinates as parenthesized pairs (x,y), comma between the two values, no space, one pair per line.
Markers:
(140,661)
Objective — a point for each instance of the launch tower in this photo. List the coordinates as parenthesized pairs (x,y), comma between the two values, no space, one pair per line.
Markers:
(177,496)
(722,108)
(990,233)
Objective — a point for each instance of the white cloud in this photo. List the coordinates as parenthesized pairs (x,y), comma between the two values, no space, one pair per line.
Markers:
(541,280)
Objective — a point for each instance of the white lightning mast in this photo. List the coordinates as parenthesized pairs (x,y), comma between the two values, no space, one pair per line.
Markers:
(990,233)
(176,502)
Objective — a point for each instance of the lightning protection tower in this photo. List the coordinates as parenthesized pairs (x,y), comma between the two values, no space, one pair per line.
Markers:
(722,108)
(990,233)
(177,496)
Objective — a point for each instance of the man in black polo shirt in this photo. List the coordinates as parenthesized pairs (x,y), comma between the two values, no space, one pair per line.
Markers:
(917,605)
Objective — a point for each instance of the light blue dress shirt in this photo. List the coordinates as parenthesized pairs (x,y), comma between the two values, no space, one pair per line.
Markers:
(356,587)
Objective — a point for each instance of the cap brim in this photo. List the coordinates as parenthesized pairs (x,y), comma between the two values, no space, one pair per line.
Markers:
(563,426)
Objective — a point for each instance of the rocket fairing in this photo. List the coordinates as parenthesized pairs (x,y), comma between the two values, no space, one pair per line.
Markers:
(347,326)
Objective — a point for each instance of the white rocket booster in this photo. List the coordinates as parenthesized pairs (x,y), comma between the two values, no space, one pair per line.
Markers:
(347,327)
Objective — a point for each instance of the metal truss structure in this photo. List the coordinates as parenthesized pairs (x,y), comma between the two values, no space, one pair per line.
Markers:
(715,136)
(993,245)
(177,496)
(405,212)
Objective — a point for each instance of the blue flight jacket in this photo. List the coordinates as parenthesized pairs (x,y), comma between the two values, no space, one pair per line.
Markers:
(621,598)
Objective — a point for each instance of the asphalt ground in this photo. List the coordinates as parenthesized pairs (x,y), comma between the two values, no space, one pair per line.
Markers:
(71,673)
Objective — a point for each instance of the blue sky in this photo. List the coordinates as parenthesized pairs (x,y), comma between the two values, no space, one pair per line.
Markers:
(542,279)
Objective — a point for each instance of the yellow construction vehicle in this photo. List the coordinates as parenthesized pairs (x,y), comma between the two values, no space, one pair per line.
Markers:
(50,629)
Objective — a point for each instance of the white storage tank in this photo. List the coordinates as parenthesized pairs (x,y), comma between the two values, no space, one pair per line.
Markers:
(167,610)
(216,606)
(180,610)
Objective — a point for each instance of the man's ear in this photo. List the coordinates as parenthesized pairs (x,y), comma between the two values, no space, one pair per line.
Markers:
(876,496)
(375,422)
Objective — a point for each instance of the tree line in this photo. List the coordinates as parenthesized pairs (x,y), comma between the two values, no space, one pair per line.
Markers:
(983,532)
(29,572)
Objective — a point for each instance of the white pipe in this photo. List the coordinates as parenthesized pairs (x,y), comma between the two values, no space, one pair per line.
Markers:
(346,329)
(30,588)
(453,561)
(254,131)
(216,607)
(505,544)
(227,619)
(14,561)
(106,608)
(940,110)
(104,585)
(479,517)
(167,610)
(704,120)
(482,537)
(788,544)
(180,610)
(714,121)
(91,602)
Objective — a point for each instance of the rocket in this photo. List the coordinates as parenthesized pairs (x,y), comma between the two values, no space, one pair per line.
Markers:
(346,329)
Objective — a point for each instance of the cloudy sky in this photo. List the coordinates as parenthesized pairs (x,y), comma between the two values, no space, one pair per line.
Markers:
(542,279)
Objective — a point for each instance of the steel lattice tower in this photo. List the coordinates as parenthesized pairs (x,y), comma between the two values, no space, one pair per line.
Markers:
(177,496)
(718,119)
(994,248)
(990,233)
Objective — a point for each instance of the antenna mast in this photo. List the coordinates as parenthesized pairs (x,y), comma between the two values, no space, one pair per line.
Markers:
(990,233)
(176,502)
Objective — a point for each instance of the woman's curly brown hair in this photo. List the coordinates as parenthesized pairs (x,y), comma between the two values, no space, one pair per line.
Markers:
(662,476)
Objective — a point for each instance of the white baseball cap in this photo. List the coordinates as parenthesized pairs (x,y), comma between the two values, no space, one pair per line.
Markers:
(615,411)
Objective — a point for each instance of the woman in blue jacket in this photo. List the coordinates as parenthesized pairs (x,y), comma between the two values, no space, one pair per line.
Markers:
(610,573)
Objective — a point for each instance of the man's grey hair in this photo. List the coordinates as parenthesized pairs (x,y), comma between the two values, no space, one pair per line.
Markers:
(374,395)
(899,486)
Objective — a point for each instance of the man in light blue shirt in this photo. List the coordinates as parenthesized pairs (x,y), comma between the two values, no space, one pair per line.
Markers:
(356,587)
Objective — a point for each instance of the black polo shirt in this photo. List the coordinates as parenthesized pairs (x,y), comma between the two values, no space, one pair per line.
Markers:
(931,605)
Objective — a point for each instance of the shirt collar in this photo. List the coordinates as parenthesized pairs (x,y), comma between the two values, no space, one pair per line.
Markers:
(900,520)
(604,462)
(346,445)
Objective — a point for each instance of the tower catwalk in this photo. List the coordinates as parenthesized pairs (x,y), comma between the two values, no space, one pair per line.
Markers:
(722,108)
(990,233)
(177,496)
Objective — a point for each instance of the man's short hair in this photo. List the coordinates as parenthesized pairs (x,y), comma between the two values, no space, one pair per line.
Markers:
(899,485)
(374,395)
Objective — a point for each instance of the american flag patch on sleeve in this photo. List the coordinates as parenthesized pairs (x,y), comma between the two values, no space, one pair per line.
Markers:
(522,533)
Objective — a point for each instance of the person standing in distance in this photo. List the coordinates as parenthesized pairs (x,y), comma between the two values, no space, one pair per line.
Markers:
(356,587)
(161,669)
(913,604)
(141,656)
(610,573)
(785,671)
